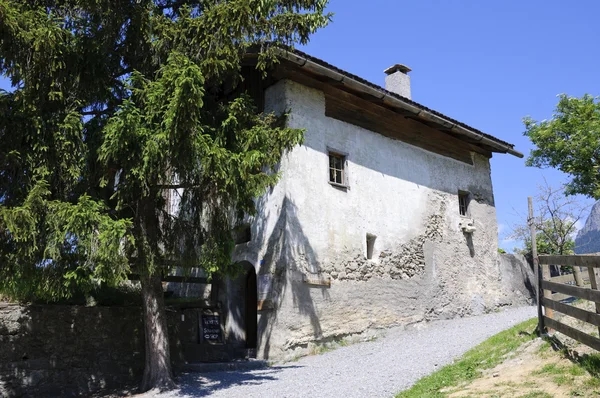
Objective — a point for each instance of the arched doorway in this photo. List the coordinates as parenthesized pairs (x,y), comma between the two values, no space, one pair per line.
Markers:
(250,313)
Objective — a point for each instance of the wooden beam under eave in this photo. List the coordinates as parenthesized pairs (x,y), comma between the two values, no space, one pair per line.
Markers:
(375,115)
(407,125)
(399,129)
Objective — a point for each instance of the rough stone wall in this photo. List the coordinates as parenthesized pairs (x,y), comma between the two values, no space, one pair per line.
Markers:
(61,351)
(588,237)
(518,277)
(308,232)
(402,261)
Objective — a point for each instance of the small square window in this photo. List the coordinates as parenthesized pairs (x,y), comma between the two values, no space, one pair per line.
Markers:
(336,168)
(463,203)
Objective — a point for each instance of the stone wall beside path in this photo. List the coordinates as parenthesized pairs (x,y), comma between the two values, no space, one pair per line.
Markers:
(65,350)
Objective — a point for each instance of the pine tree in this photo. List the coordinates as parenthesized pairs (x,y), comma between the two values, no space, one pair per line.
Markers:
(113,106)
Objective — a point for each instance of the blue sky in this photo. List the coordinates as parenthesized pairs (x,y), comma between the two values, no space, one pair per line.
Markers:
(485,63)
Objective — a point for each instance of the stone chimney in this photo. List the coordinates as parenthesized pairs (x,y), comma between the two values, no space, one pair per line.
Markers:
(397,80)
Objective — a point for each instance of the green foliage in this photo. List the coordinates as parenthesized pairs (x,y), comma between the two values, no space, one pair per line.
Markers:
(570,141)
(555,219)
(54,246)
(551,238)
(127,140)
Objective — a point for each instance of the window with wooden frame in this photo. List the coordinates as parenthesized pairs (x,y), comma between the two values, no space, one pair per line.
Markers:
(337,172)
(463,203)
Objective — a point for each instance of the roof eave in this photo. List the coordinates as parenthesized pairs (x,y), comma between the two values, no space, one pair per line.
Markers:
(398,101)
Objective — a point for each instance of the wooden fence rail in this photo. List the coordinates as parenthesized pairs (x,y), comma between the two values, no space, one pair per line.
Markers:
(582,260)
(558,288)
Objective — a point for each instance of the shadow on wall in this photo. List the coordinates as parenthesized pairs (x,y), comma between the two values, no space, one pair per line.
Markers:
(56,350)
(288,258)
(238,295)
(517,275)
(67,350)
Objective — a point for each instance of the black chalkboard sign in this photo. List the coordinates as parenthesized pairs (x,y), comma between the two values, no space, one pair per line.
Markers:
(211,328)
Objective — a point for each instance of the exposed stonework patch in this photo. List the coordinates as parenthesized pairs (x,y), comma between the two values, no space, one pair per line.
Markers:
(409,259)
(401,262)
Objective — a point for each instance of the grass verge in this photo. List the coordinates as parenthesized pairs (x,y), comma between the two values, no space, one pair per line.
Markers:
(469,367)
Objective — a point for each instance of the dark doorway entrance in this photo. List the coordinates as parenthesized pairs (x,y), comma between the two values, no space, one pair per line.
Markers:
(251,314)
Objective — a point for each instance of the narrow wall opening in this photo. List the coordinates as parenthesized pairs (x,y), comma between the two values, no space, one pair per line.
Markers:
(370,245)
(242,234)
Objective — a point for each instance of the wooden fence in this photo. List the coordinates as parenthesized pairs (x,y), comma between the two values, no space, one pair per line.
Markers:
(570,279)
(559,289)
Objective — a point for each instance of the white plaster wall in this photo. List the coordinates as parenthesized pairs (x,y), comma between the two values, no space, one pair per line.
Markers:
(389,180)
(423,266)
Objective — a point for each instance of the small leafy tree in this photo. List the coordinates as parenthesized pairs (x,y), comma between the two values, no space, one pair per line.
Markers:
(555,221)
(114,107)
(570,142)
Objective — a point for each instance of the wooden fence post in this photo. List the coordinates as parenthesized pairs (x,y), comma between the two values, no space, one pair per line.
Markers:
(594,286)
(577,276)
(536,268)
(547,293)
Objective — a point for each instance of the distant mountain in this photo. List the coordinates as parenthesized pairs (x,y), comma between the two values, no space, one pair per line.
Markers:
(588,238)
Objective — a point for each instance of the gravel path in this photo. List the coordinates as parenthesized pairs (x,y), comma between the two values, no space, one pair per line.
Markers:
(375,369)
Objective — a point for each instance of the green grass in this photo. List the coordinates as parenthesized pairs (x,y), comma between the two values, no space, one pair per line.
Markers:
(562,380)
(485,356)
(575,370)
(550,368)
(591,363)
(536,394)
(545,347)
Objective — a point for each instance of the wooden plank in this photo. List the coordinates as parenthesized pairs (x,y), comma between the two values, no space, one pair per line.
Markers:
(536,267)
(547,293)
(316,281)
(390,124)
(594,286)
(262,305)
(173,278)
(572,311)
(416,126)
(572,260)
(578,335)
(588,294)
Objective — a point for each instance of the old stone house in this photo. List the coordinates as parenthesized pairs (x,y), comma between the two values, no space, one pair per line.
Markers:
(384,216)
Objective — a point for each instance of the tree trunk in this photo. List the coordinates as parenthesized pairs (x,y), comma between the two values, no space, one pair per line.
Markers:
(157,371)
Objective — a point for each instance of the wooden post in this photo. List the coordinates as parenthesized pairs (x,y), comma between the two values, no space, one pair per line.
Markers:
(594,286)
(547,293)
(577,276)
(536,268)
